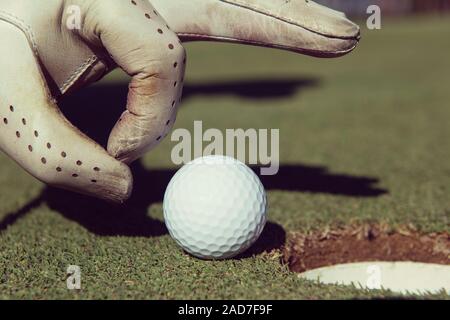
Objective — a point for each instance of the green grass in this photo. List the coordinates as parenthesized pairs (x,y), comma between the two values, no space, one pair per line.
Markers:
(374,120)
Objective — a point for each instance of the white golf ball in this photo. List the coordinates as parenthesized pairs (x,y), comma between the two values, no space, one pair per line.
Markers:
(215,207)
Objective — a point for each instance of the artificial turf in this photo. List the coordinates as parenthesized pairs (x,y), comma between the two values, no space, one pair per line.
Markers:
(362,138)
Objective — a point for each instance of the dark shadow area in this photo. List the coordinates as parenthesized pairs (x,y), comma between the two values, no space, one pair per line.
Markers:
(320,180)
(253,89)
(131,219)
(105,219)
(273,237)
(103,104)
(11,218)
(95,110)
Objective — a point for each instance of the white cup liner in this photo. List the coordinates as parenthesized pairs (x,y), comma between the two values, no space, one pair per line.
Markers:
(399,277)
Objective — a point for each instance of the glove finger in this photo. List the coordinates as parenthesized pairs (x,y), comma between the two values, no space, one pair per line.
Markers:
(38,137)
(142,44)
(298,25)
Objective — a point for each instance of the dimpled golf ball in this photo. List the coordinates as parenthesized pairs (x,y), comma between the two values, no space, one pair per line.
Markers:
(215,207)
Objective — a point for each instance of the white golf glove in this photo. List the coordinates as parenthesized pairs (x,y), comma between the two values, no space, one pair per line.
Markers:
(301,26)
(52,47)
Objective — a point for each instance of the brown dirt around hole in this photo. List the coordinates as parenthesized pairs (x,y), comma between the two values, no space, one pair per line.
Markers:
(364,243)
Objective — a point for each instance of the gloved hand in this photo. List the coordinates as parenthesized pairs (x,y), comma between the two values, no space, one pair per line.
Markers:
(301,26)
(50,48)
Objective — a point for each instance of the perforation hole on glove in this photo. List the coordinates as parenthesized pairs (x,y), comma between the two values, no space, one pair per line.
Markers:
(44,160)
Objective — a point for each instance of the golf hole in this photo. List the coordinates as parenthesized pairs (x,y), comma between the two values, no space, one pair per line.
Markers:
(402,260)
(400,277)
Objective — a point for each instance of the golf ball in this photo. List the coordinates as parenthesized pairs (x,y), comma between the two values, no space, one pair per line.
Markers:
(215,207)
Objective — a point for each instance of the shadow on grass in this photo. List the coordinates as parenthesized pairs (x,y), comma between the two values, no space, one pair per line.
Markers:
(103,104)
(95,110)
(256,89)
(132,219)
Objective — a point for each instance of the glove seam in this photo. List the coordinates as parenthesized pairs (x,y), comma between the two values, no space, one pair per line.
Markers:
(24,27)
(29,34)
(260,43)
(256,8)
(78,72)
